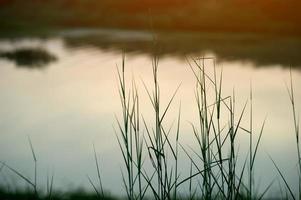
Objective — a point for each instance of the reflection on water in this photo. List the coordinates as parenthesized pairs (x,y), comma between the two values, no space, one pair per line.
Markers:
(72,104)
(261,50)
(29,57)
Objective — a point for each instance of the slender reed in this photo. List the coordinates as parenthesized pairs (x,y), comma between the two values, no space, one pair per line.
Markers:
(131,140)
(159,144)
(296,130)
(99,192)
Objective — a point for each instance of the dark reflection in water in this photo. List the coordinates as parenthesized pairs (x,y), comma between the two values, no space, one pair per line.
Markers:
(261,50)
(29,57)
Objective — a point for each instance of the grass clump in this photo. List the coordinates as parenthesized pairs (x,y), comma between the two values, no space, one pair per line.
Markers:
(162,181)
(213,174)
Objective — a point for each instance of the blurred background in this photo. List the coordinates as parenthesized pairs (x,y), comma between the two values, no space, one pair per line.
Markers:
(58,79)
(269,16)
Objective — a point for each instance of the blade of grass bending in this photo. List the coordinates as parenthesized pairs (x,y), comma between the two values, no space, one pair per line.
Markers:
(149,183)
(284,180)
(178,124)
(98,171)
(194,72)
(219,94)
(218,102)
(169,103)
(32,150)
(168,142)
(202,70)
(19,174)
(240,118)
(122,150)
(35,164)
(266,190)
(125,185)
(192,161)
(257,143)
(148,133)
(218,185)
(94,187)
(195,165)
(148,93)
(240,179)
(194,175)
(296,126)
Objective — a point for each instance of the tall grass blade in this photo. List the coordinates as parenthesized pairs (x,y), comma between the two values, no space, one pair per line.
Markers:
(284,180)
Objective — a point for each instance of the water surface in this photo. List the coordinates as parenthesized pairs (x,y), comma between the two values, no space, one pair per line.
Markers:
(67,105)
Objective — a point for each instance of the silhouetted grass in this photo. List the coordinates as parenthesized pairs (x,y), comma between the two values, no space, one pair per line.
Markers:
(216,169)
(213,174)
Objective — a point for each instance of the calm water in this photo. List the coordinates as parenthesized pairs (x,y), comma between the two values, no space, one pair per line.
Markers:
(68,104)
